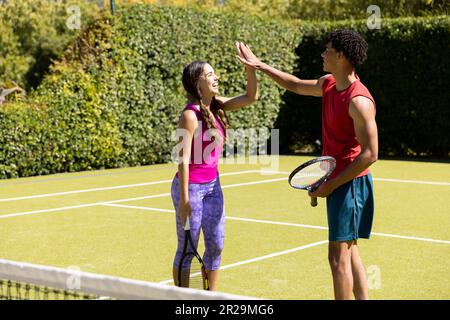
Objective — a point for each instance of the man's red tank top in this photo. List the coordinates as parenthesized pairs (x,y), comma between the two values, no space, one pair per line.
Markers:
(338,132)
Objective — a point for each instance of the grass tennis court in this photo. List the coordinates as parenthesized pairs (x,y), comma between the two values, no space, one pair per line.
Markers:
(120,222)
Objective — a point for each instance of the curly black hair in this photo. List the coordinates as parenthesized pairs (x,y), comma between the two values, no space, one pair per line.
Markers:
(350,43)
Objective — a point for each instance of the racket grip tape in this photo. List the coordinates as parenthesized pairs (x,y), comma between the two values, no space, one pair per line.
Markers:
(313,201)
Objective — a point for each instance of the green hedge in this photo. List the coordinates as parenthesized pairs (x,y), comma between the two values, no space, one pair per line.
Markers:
(65,126)
(405,72)
(21,146)
(318,10)
(115,98)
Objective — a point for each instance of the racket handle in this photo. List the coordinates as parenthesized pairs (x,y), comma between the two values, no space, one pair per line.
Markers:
(187,226)
(313,201)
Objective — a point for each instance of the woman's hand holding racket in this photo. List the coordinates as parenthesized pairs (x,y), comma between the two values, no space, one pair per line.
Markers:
(185,211)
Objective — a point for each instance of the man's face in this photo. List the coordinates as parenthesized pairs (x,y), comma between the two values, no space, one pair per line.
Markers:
(329,56)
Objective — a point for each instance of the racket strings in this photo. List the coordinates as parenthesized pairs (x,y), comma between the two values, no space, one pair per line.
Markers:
(193,274)
(311,174)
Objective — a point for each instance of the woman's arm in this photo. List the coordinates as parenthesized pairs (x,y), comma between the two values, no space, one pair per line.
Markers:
(187,126)
(251,95)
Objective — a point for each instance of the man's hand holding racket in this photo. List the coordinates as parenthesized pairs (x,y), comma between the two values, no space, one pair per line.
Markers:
(324,190)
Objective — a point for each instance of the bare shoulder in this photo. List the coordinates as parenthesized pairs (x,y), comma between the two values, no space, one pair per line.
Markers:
(322,79)
(318,87)
(188,114)
(188,119)
(361,106)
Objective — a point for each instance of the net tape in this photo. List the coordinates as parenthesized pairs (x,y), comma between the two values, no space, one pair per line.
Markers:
(103,286)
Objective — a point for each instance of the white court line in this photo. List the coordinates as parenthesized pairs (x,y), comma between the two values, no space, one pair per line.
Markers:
(227,217)
(111,188)
(114,202)
(225,186)
(286,224)
(11,215)
(326,228)
(222,175)
(276,254)
(409,238)
(161,195)
(253,183)
(434,183)
(278,223)
(84,191)
(118,201)
(138,208)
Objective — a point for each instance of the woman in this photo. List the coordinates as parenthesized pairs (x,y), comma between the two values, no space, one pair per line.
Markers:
(196,191)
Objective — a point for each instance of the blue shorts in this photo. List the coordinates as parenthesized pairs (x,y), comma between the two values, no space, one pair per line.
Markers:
(350,210)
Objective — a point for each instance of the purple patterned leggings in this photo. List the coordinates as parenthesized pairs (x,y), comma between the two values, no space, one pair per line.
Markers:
(208,214)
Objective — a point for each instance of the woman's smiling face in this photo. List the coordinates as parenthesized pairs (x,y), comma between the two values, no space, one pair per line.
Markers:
(208,82)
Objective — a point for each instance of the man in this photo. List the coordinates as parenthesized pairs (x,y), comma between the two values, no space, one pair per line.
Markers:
(349,134)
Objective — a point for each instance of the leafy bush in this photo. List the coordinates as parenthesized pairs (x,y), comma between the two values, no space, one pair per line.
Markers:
(115,97)
(33,33)
(319,10)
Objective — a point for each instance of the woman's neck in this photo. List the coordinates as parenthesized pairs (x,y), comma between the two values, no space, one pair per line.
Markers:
(206,102)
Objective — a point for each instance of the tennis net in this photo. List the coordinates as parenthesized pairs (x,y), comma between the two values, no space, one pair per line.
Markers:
(25,281)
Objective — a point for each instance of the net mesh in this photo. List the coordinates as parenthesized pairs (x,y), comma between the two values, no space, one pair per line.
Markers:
(311,174)
(13,290)
(24,281)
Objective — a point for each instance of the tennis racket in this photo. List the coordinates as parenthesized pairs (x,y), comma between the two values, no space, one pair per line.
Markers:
(310,175)
(195,276)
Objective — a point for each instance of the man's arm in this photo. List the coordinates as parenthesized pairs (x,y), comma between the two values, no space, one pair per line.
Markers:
(362,111)
(286,80)
(294,84)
